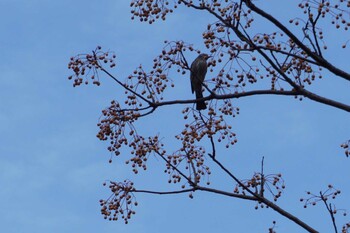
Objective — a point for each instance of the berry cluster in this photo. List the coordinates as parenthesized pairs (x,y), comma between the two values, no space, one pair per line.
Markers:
(259,183)
(323,197)
(206,126)
(85,66)
(192,158)
(148,86)
(150,10)
(117,126)
(335,9)
(346,147)
(120,203)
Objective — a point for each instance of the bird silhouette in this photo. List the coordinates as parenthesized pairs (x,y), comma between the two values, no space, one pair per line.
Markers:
(198,71)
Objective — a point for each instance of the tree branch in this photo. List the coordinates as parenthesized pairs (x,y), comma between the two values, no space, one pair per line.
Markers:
(200,188)
(124,86)
(288,54)
(164,192)
(299,89)
(266,201)
(322,62)
(313,23)
(302,92)
(330,211)
(324,100)
(230,194)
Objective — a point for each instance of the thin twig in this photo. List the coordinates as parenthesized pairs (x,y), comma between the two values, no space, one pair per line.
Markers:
(330,211)
(164,192)
(322,62)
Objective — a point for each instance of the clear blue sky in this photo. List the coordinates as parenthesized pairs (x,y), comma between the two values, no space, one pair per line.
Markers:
(52,166)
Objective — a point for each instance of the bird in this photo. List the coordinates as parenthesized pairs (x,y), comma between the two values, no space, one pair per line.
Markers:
(198,71)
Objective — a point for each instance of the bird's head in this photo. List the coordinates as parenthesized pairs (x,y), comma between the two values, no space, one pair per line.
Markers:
(204,56)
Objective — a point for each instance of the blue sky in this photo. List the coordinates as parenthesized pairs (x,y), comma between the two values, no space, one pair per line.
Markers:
(52,166)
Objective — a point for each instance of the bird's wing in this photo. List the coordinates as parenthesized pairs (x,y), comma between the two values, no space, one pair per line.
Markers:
(203,70)
(192,79)
(192,76)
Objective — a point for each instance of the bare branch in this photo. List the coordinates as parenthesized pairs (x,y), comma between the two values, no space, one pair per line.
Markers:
(266,201)
(302,92)
(321,61)
(164,192)
(230,194)
(127,88)
(330,211)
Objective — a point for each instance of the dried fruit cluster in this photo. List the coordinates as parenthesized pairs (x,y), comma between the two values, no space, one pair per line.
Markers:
(273,183)
(85,66)
(173,54)
(335,9)
(209,126)
(244,57)
(150,10)
(117,126)
(346,147)
(345,228)
(120,203)
(148,85)
(324,196)
(193,160)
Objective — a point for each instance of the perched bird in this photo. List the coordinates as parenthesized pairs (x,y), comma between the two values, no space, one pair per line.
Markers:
(198,71)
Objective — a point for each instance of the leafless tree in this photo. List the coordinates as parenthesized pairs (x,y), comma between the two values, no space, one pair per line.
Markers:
(286,63)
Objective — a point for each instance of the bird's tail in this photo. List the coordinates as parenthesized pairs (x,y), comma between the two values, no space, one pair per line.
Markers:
(200,105)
